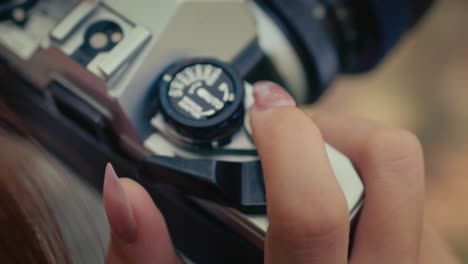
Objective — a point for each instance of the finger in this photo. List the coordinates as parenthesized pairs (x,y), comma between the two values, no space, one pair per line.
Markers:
(391,165)
(306,208)
(139,232)
(434,250)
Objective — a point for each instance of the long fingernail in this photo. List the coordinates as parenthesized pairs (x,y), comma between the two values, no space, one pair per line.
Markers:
(269,95)
(118,209)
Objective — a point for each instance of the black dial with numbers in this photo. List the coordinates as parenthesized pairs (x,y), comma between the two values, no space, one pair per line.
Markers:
(202,100)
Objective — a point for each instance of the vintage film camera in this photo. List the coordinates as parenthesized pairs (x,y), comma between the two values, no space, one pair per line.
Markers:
(162,89)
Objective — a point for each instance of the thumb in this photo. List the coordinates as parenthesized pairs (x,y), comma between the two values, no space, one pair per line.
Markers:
(139,233)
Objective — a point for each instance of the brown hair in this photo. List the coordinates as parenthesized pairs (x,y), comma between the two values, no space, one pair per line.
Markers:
(28,232)
(36,204)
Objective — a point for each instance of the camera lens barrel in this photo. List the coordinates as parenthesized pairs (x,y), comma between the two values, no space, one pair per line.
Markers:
(350,36)
(380,24)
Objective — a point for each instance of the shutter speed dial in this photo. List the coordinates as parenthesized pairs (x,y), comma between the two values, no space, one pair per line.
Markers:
(193,92)
(202,101)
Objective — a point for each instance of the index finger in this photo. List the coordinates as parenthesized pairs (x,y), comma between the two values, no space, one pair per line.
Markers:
(390,163)
(306,208)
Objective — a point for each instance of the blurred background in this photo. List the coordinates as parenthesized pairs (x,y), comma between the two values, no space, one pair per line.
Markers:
(423,86)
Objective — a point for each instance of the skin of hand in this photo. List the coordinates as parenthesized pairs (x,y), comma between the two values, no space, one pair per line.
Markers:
(309,219)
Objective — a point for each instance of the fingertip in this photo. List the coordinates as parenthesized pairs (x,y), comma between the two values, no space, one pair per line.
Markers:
(109,177)
(153,243)
(118,208)
(283,125)
(269,95)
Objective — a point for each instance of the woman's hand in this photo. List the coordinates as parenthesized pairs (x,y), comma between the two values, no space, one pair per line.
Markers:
(138,231)
(309,219)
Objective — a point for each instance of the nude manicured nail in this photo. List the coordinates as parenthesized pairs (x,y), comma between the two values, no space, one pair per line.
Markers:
(118,209)
(269,95)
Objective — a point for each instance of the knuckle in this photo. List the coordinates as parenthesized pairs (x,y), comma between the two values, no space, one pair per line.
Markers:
(318,228)
(394,150)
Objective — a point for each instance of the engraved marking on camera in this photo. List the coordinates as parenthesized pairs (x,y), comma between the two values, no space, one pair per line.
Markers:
(227,96)
(190,75)
(207,72)
(194,87)
(203,91)
(214,77)
(190,106)
(167,78)
(198,72)
(210,99)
